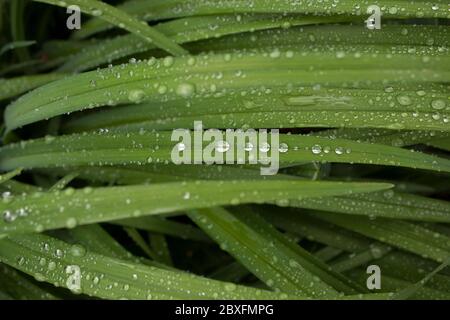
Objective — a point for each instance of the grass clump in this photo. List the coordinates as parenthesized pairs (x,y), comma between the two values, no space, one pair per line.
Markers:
(93,203)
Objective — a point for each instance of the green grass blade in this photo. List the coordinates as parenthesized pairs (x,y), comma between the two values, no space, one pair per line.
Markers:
(15,45)
(20,287)
(8,176)
(164,226)
(17,16)
(156,147)
(407,236)
(12,87)
(241,72)
(163,9)
(390,204)
(281,269)
(410,291)
(36,212)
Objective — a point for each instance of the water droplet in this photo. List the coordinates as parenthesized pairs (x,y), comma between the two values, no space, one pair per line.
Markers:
(185,90)
(438,104)
(222,146)
(316,149)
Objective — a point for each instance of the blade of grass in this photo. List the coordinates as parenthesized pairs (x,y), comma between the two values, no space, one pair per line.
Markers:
(100,273)
(181,31)
(12,87)
(392,204)
(162,9)
(130,83)
(160,247)
(20,287)
(164,226)
(282,269)
(69,208)
(15,45)
(397,233)
(17,16)
(156,147)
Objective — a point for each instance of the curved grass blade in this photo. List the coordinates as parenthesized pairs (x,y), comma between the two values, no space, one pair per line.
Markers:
(161,248)
(126,175)
(123,20)
(44,211)
(99,274)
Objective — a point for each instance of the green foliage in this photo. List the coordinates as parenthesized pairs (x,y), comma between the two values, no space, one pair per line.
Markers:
(87,178)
